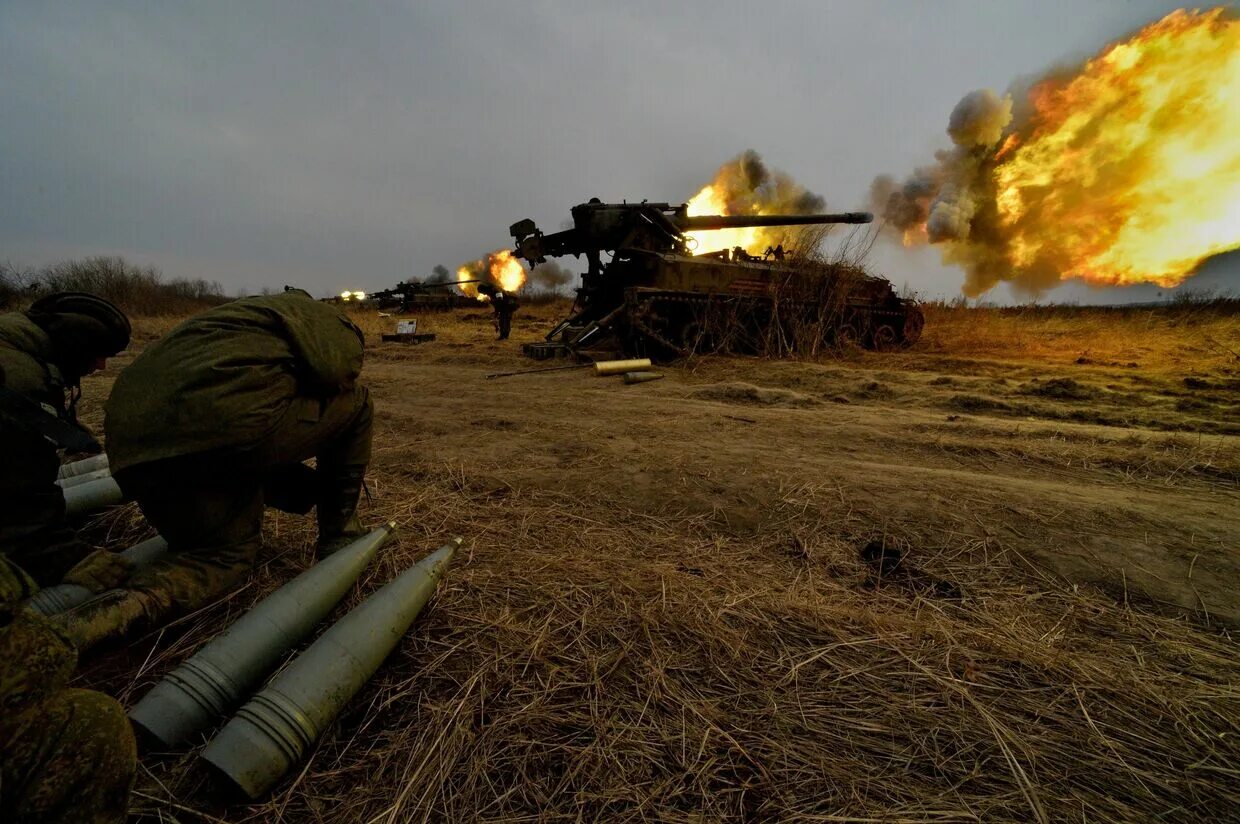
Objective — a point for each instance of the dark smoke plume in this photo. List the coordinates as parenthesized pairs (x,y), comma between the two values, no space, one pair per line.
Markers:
(551,275)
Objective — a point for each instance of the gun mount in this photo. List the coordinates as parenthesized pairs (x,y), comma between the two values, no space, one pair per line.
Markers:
(656,297)
(659,227)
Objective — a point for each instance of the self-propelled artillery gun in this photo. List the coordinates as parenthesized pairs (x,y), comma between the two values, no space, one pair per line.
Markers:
(654,297)
(409,296)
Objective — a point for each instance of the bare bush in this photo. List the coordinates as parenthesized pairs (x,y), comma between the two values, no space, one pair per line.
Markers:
(807,313)
(139,290)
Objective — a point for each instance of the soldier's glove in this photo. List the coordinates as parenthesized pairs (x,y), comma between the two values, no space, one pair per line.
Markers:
(99,571)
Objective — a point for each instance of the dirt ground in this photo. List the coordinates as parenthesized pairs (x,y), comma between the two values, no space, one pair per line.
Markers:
(662,612)
(1107,474)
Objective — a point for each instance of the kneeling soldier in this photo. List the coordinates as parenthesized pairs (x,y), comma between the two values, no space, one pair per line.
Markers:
(45,351)
(211,423)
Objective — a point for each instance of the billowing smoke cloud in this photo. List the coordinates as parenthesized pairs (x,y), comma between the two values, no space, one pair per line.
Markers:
(551,275)
(745,186)
(439,274)
(952,201)
(1083,172)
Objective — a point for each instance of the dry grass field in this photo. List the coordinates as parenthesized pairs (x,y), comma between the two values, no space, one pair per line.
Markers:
(665,610)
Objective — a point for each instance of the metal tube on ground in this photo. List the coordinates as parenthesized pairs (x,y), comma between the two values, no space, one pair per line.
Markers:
(86,498)
(278,725)
(641,377)
(64,597)
(211,683)
(86,477)
(81,467)
(617,367)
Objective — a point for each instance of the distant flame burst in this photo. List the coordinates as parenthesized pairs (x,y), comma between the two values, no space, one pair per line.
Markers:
(499,268)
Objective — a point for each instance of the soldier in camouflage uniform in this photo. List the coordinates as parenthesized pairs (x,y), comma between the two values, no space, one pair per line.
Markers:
(66,755)
(44,353)
(210,424)
(504,305)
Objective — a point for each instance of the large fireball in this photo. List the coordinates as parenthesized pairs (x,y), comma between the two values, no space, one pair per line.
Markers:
(499,268)
(1125,170)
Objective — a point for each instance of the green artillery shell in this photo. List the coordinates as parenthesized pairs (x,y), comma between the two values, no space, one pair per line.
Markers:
(195,695)
(276,728)
(84,499)
(615,367)
(91,464)
(85,477)
(641,377)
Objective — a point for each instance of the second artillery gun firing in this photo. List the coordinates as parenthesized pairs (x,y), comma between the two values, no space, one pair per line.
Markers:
(411,295)
(655,297)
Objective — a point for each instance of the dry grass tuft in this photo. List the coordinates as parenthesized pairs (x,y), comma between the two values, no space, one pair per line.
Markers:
(630,667)
(589,658)
(1187,336)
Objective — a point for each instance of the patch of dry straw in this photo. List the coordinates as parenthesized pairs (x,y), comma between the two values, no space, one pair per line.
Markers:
(581,663)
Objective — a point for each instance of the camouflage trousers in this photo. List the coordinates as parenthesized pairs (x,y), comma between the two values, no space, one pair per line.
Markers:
(209,508)
(70,757)
(33,530)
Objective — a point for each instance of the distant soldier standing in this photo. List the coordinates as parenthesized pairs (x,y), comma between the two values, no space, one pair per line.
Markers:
(211,423)
(504,306)
(44,353)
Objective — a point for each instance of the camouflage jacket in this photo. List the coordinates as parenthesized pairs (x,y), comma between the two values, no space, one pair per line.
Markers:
(36,658)
(222,379)
(25,361)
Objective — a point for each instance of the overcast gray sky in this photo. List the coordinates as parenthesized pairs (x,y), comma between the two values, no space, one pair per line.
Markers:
(339,145)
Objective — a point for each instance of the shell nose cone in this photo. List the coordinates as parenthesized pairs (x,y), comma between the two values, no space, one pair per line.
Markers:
(438,560)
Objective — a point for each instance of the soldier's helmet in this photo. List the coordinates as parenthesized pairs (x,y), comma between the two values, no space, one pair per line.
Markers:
(83,328)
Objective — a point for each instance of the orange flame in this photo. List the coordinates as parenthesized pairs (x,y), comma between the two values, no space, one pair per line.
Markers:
(746,186)
(499,268)
(711,201)
(1129,171)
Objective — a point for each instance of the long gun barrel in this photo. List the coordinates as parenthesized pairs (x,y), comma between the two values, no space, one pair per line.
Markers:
(417,286)
(599,226)
(699,223)
(439,285)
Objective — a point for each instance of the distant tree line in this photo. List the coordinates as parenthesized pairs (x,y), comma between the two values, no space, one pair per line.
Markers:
(139,290)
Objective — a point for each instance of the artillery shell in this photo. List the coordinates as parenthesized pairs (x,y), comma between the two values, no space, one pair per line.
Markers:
(617,367)
(641,377)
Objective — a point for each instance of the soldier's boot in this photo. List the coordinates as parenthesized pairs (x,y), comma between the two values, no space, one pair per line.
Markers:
(337,508)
